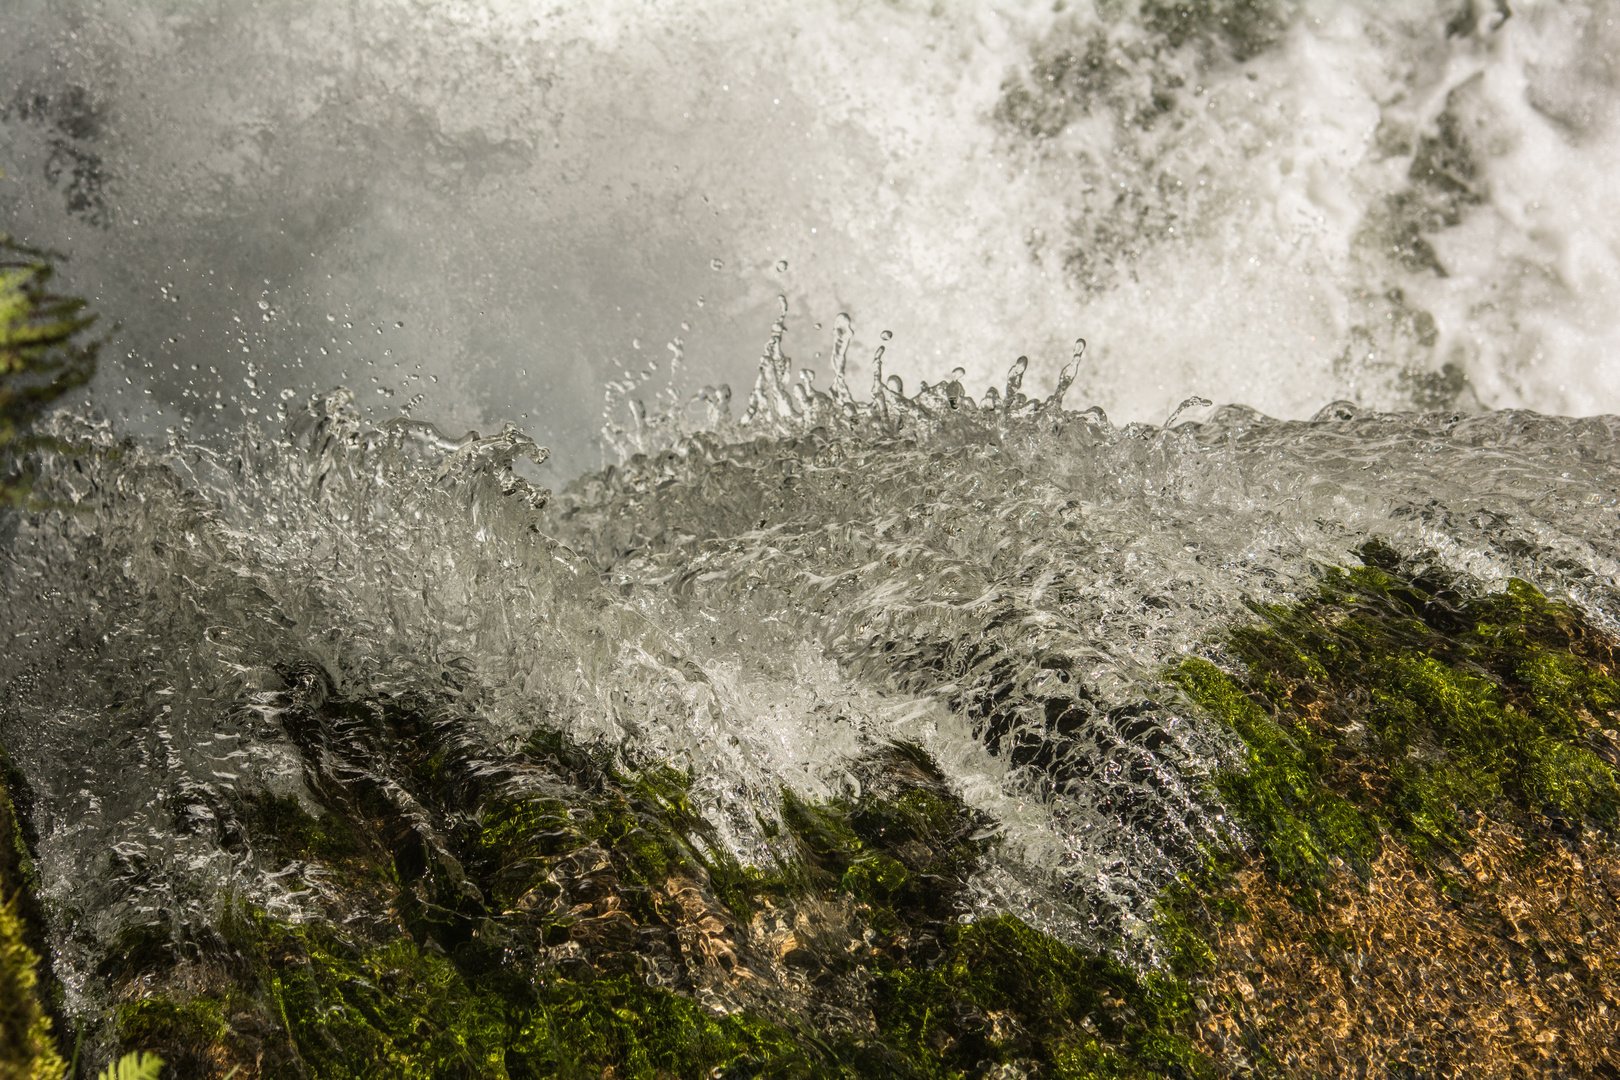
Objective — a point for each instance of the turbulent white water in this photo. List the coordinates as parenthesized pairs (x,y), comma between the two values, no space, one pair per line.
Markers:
(1001,583)
(495,213)
(500,206)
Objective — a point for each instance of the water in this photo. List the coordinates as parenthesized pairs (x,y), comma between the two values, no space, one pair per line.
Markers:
(1339,266)
(1001,584)
(490,212)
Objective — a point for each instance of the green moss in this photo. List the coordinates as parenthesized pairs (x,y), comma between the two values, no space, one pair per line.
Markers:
(403,1010)
(1300,825)
(1198,898)
(1393,705)
(28,1049)
(508,928)
(640,1032)
(396,1010)
(1006,993)
(141,948)
(288,831)
(645,821)
(188,1035)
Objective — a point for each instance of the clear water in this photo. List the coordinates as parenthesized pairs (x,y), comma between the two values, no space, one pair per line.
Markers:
(759,612)
(492,215)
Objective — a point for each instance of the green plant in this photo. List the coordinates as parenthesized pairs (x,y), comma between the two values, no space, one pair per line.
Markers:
(42,353)
(137,1065)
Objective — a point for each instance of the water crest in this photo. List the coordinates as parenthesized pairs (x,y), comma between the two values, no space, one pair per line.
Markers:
(763,603)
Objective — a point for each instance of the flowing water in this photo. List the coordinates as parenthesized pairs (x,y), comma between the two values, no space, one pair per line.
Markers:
(1000,582)
(1391,225)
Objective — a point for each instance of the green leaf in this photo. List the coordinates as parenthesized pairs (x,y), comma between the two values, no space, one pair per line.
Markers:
(136,1065)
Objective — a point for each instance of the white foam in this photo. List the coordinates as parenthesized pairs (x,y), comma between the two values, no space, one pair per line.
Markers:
(538,195)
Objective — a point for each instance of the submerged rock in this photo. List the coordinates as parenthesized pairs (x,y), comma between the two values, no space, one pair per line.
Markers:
(551,913)
(1426,881)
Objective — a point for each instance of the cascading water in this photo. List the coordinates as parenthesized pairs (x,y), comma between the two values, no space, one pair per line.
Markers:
(1000,583)
(812,705)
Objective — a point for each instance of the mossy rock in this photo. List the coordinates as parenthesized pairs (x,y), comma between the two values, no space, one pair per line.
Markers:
(1423,836)
(563,914)
(1394,705)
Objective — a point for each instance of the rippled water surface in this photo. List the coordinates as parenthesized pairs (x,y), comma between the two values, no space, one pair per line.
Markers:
(1000,582)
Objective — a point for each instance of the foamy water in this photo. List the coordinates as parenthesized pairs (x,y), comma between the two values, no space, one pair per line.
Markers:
(488,212)
(580,225)
(1000,583)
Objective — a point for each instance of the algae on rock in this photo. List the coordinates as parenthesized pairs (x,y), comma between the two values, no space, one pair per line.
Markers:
(1427,826)
(555,913)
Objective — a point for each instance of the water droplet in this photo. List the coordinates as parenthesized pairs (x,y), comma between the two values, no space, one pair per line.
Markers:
(716,264)
(264,305)
(1015,379)
(1193,402)
(894,383)
(399,326)
(781,266)
(700,301)
(886,335)
(958,374)
(686,326)
(635,343)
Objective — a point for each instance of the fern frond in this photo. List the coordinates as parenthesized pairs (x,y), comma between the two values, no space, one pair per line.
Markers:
(136,1065)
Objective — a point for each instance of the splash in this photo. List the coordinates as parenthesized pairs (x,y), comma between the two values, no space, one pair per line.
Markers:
(763,603)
